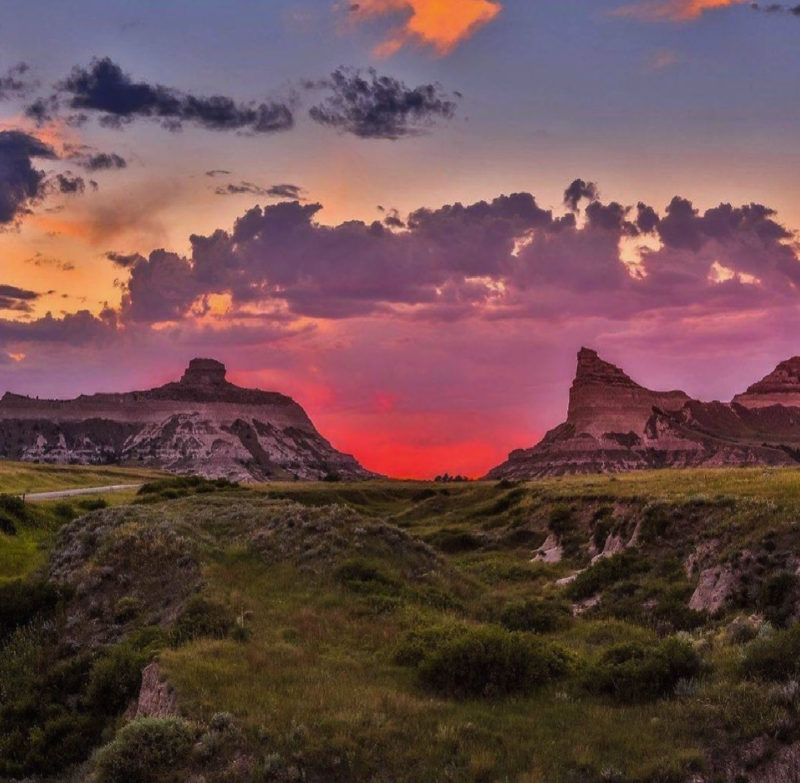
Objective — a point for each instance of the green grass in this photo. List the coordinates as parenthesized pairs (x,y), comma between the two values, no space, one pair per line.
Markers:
(321,599)
(19,477)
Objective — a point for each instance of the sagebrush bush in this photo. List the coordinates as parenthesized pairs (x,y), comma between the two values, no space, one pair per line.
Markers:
(776,657)
(23,599)
(536,616)
(202,618)
(115,679)
(491,662)
(635,671)
(364,576)
(145,751)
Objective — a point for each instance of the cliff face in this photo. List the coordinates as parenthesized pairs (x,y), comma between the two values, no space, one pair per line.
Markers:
(614,424)
(201,424)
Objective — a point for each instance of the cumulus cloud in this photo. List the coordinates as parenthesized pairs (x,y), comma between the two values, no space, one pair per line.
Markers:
(103,87)
(579,190)
(506,258)
(441,26)
(380,107)
(21,184)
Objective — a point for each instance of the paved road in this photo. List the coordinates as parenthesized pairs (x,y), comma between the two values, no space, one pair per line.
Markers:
(68,493)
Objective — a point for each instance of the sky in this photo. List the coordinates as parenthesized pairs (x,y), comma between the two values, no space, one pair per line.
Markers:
(408,215)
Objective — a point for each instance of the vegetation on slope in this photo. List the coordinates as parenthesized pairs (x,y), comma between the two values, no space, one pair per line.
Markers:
(388,631)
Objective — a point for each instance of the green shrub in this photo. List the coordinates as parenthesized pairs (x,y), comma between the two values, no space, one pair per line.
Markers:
(181,486)
(93,504)
(634,671)
(23,599)
(536,616)
(454,541)
(488,662)
(126,609)
(115,679)
(605,572)
(776,657)
(561,521)
(777,597)
(364,576)
(145,751)
(202,617)
(13,514)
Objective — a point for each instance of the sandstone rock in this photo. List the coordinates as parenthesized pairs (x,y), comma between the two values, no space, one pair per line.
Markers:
(156,698)
(613,424)
(549,552)
(202,424)
(713,589)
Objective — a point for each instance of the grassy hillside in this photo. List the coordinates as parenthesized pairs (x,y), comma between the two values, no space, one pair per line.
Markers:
(19,477)
(403,631)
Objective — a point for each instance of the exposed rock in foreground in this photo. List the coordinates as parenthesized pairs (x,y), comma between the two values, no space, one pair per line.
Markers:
(614,424)
(201,424)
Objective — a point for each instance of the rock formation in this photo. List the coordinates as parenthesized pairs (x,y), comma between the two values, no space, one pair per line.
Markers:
(614,424)
(202,424)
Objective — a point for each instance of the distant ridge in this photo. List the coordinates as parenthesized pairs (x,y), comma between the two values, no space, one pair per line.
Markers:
(613,424)
(201,424)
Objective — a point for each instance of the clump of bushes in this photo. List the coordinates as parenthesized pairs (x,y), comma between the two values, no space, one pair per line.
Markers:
(202,617)
(636,671)
(22,599)
(182,486)
(536,616)
(776,657)
(777,597)
(13,513)
(364,576)
(606,572)
(144,750)
(453,541)
(486,662)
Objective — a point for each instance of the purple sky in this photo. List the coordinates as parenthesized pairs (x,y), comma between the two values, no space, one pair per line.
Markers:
(409,219)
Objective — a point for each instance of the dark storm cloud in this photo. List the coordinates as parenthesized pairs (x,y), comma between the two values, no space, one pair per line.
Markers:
(18,299)
(21,184)
(380,107)
(105,88)
(577,191)
(14,83)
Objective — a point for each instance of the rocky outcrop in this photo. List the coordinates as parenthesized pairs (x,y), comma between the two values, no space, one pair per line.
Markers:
(780,387)
(613,424)
(202,424)
(156,697)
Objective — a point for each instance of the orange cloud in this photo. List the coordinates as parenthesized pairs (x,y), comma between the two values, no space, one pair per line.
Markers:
(442,24)
(674,10)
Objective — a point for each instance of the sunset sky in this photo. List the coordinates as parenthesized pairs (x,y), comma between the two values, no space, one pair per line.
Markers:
(408,215)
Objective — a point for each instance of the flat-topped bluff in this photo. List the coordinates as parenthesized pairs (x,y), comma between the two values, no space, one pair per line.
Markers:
(614,424)
(200,424)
